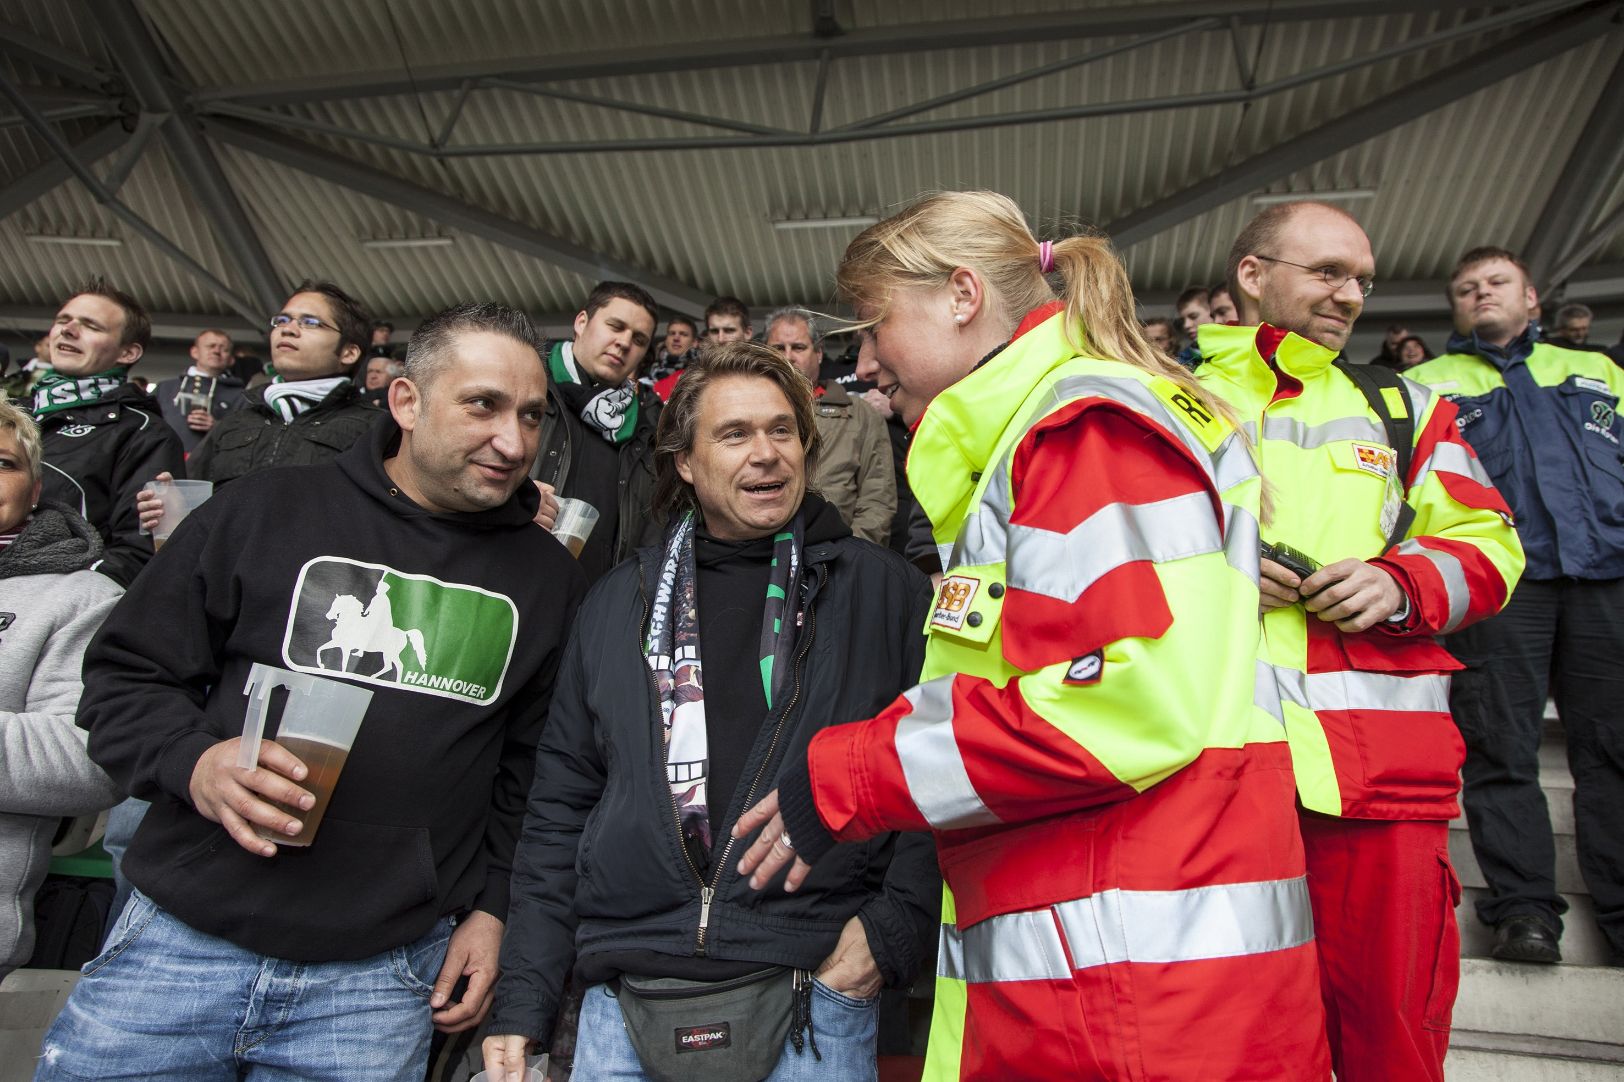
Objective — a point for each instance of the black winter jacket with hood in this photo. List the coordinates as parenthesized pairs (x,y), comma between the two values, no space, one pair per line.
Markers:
(601,868)
(97,457)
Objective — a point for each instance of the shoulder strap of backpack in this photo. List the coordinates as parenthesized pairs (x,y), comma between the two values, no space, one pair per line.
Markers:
(1400,427)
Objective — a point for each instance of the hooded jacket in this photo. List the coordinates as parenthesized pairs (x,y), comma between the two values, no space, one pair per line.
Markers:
(601,869)
(50,605)
(454,622)
(97,457)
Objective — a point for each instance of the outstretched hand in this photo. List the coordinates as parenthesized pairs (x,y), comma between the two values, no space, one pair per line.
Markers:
(771,852)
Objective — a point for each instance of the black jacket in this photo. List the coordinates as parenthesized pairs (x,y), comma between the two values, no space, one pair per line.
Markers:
(425,815)
(254,437)
(600,866)
(582,465)
(97,457)
(228,391)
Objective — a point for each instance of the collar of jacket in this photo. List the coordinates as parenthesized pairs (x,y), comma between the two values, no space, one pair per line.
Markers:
(833,395)
(1238,352)
(824,529)
(1502,357)
(105,410)
(363,464)
(964,425)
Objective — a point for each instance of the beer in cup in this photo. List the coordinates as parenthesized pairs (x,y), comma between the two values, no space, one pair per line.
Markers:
(318,726)
(180,498)
(574,524)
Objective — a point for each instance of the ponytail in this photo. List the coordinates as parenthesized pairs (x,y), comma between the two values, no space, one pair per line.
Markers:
(1100,320)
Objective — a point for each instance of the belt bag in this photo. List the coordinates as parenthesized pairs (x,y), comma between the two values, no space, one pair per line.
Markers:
(715,1031)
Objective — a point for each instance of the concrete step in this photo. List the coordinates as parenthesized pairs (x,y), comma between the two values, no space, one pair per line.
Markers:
(1563,1002)
(1486,1058)
(1582,942)
(29,1001)
(1568,879)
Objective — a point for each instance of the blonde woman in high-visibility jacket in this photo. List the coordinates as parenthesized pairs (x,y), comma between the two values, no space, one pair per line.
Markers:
(1350,648)
(1112,811)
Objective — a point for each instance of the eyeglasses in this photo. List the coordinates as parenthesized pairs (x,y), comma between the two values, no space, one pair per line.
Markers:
(1333,277)
(309,323)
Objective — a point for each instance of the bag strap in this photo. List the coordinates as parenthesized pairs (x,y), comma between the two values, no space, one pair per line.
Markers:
(1371,381)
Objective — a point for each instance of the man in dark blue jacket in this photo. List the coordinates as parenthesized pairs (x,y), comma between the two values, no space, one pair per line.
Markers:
(626,871)
(1544,422)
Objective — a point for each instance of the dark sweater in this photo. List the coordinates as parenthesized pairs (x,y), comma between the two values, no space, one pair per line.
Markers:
(425,815)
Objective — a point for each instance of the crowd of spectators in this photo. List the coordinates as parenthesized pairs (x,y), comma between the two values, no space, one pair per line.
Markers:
(765,475)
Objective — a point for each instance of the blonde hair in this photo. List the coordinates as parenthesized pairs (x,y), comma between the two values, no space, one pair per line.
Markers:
(15,420)
(923,245)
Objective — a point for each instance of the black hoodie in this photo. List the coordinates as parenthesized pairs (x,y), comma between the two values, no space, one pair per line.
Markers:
(425,815)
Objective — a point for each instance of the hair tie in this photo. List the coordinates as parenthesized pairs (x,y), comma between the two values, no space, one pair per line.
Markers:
(1046,256)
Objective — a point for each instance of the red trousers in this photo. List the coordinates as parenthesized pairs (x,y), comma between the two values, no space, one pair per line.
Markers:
(1384,896)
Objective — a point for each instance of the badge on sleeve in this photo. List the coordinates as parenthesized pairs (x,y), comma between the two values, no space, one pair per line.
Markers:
(953,601)
(1085,670)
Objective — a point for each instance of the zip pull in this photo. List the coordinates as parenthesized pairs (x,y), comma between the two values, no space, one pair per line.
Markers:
(705,896)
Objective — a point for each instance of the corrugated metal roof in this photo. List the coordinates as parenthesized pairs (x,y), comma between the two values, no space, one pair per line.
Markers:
(1477,170)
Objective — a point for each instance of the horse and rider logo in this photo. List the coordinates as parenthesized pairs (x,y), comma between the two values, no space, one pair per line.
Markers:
(376,625)
(360,630)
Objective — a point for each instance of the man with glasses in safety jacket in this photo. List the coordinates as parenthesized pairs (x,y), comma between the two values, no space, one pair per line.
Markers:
(1385,532)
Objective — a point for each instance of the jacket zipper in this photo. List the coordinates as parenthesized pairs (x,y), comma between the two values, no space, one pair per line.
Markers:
(707,891)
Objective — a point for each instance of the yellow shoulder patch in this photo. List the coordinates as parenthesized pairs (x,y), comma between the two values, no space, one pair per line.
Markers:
(1397,405)
(1209,429)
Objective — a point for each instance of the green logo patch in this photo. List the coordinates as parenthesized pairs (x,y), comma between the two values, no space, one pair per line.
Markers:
(380,626)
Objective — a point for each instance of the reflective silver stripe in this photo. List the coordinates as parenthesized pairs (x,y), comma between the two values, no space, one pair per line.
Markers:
(1363,690)
(1063,565)
(1453,458)
(932,764)
(1012,947)
(1420,397)
(1227,920)
(1454,576)
(1266,692)
(1309,436)
(1241,541)
(982,537)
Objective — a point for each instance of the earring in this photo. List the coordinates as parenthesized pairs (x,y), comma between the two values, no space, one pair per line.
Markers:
(958,319)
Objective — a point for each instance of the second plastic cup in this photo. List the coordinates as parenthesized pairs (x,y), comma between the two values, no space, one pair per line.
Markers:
(180,498)
(574,524)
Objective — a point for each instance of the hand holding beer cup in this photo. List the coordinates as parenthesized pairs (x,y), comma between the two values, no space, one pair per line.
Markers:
(239,800)
(574,524)
(165,502)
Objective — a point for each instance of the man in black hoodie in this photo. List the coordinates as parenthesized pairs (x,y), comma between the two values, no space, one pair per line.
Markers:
(104,437)
(695,672)
(331,960)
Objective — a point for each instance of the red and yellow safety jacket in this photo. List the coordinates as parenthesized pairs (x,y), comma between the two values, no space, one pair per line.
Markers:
(1113,812)
(1367,714)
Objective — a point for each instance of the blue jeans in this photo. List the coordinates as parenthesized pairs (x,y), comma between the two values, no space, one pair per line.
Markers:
(847,1032)
(122,822)
(164,1001)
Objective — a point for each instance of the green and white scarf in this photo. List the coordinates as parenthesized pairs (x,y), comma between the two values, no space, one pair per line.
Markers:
(291,398)
(55,392)
(610,412)
(672,652)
